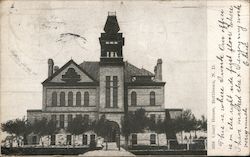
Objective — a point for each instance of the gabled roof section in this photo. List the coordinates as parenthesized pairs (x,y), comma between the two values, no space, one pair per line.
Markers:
(92,68)
(131,70)
(63,68)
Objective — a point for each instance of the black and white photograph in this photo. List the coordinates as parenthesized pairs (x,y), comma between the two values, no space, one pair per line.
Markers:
(105,78)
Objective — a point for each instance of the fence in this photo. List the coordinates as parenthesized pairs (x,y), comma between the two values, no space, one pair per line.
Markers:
(197,144)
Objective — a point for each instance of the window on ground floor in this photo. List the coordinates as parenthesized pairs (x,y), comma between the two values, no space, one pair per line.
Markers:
(152,139)
(61,124)
(86,117)
(69,139)
(34,140)
(53,140)
(134,139)
(70,118)
(84,139)
(92,138)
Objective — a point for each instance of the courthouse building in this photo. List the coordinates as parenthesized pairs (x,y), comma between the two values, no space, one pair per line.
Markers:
(108,87)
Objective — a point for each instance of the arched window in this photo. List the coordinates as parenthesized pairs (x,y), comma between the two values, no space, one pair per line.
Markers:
(70,99)
(134,139)
(133,99)
(86,98)
(152,139)
(152,98)
(78,99)
(54,99)
(62,99)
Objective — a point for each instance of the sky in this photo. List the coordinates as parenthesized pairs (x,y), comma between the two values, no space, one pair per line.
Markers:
(173,31)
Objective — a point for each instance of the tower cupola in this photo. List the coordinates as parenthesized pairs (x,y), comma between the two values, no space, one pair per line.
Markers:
(111,41)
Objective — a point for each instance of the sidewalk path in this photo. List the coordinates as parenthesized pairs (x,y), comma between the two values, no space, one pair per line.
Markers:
(112,151)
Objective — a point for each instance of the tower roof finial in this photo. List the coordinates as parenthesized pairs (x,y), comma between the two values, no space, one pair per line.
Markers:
(110,13)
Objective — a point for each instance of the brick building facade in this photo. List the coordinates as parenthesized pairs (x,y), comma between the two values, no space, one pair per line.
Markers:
(109,87)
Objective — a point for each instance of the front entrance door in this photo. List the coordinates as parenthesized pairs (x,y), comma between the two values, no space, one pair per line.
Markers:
(114,130)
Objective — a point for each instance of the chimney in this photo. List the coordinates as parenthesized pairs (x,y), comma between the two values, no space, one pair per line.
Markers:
(56,68)
(50,67)
(158,70)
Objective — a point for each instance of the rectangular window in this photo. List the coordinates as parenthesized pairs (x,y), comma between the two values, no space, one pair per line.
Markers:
(34,140)
(115,91)
(61,121)
(78,116)
(53,140)
(134,139)
(107,91)
(86,117)
(152,117)
(152,139)
(68,139)
(53,117)
(84,139)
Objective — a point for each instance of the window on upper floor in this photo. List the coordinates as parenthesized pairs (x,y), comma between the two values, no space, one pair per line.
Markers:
(133,98)
(115,91)
(62,99)
(152,98)
(114,54)
(107,92)
(54,99)
(111,42)
(78,99)
(108,54)
(86,98)
(70,99)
